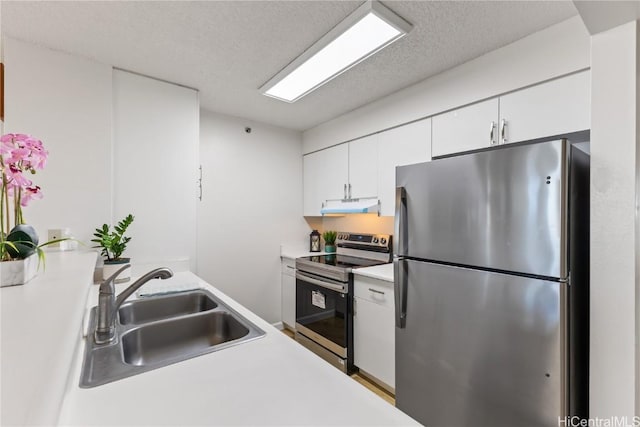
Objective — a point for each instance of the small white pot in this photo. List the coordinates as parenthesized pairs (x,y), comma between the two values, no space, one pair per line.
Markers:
(110,267)
(18,272)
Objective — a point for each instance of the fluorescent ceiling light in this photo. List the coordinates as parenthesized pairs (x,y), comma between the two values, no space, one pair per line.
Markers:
(367,30)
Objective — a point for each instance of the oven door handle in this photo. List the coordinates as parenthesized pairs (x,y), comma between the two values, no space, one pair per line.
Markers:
(324,284)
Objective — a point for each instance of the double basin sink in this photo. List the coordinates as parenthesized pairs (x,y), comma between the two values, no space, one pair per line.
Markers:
(157,331)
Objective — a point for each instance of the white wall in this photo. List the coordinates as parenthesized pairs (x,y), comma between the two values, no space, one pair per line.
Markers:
(65,101)
(156,139)
(553,52)
(252,203)
(614,130)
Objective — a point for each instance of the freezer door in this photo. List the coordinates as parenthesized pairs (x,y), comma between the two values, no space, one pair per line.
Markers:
(481,348)
(503,209)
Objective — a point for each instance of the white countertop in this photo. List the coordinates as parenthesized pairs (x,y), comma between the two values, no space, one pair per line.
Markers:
(382,272)
(40,324)
(269,381)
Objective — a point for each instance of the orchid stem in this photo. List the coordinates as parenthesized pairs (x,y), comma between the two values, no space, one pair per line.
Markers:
(6,200)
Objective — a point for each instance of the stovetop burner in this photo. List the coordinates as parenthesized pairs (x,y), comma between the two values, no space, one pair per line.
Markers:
(343,261)
(353,251)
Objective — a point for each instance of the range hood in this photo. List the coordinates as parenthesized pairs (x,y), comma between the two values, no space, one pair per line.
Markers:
(351,206)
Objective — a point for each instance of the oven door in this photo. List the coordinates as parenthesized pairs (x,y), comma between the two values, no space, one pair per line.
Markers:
(322,311)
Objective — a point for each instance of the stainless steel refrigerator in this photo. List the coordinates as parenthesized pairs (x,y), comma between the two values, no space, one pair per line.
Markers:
(491,283)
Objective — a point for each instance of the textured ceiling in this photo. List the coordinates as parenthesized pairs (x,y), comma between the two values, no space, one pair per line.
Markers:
(228,49)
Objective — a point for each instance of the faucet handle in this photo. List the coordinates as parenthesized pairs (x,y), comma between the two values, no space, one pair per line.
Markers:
(108,283)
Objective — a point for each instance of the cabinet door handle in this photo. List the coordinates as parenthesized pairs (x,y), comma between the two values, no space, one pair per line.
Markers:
(376,291)
(293,268)
(345,191)
(200,183)
(354,306)
(349,191)
(492,130)
(503,131)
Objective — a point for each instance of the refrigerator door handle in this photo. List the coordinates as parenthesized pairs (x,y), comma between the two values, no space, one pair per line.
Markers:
(400,291)
(400,223)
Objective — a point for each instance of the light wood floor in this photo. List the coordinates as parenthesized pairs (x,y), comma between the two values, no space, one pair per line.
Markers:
(362,380)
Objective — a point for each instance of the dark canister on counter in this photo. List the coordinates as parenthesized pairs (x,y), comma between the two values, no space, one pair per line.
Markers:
(314,241)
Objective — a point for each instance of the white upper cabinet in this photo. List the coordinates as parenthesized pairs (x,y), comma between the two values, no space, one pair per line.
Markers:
(401,146)
(465,129)
(553,108)
(556,107)
(326,173)
(363,168)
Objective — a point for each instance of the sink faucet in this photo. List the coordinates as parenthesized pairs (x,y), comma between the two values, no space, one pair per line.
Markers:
(108,304)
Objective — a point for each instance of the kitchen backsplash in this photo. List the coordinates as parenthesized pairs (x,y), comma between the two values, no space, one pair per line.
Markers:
(362,223)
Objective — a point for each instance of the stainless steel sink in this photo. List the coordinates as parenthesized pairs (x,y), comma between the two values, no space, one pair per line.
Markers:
(164,341)
(154,332)
(164,307)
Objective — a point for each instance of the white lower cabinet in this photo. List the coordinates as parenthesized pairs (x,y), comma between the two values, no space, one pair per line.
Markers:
(374,330)
(288,293)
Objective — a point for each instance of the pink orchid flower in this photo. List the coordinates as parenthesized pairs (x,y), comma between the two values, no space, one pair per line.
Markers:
(20,153)
(15,177)
(30,193)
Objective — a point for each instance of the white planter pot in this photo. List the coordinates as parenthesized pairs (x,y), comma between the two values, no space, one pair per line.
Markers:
(18,272)
(110,268)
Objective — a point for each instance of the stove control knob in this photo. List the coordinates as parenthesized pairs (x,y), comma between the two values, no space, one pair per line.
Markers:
(375,240)
(383,241)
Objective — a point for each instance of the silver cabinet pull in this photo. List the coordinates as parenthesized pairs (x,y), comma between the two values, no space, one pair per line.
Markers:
(349,191)
(503,131)
(200,183)
(345,191)
(293,268)
(355,311)
(376,291)
(492,140)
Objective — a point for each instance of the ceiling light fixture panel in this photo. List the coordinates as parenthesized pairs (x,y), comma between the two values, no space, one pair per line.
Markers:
(367,30)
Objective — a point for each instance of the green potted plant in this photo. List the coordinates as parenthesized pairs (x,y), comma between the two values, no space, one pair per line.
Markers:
(113,244)
(329,237)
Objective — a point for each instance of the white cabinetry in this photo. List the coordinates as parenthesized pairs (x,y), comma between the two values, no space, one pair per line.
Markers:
(556,107)
(401,146)
(374,330)
(288,293)
(155,158)
(363,167)
(326,172)
(553,108)
(464,129)
(348,170)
